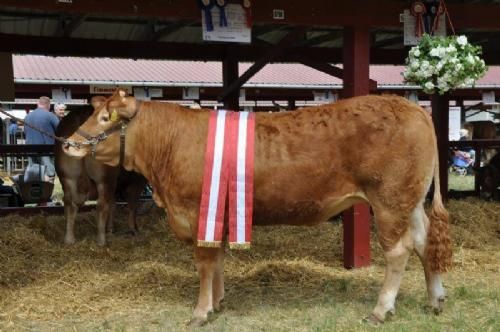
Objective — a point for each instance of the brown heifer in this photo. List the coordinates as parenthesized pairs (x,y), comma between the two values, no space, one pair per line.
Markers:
(483,130)
(83,179)
(489,178)
(309,165)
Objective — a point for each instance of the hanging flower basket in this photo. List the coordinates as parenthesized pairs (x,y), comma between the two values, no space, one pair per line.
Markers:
(439,64)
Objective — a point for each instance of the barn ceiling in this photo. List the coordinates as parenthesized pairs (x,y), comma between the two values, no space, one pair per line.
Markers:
(36,22)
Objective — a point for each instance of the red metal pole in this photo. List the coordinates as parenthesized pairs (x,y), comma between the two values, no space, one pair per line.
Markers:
(440,117)
(356,53)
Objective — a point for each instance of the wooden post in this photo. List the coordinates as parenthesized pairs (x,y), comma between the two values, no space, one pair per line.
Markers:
(230,75)
(7,82)
(440,117)
(356,55)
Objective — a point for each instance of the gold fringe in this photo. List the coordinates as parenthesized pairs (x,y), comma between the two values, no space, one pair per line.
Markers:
(209,244)
(235,245)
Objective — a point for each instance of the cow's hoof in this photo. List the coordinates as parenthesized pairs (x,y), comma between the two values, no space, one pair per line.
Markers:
(101,243)
(437,309)
(69,241)
(131,233)
(197,321)
(219,306)
(373,320)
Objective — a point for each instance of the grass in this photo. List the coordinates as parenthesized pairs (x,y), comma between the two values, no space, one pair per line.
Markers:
(291,280)
(460,182)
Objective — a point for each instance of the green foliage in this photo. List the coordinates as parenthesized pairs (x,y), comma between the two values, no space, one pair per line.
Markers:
(439,64)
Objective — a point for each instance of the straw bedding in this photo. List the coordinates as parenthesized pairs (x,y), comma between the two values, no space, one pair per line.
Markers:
(44,284)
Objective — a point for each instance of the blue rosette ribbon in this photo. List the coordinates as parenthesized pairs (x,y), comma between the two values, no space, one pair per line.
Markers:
(221,4)
(206,6)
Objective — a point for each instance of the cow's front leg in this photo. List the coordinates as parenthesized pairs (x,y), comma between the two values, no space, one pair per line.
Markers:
(208,261)
(105,201)
(218,282)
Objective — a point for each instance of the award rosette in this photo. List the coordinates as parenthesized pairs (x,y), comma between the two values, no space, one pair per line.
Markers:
(206,6)
(439,12)
(418,10)
(247,7)
(221,4)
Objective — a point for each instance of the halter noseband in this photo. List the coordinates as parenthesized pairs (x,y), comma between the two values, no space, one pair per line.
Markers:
(94,140)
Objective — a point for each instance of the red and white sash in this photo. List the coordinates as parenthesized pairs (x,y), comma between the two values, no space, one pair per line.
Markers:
(228,164)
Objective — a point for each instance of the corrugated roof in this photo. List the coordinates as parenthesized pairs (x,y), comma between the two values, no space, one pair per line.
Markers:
(60,70)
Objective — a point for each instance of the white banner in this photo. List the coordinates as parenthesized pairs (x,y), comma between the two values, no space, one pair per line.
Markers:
(108,89)
(61,94)
(236,30)
(454,123)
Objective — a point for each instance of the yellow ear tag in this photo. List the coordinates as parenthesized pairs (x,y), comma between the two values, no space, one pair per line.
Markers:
(114,116)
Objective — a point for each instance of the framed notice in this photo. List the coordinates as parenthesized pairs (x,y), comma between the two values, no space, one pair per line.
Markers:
(105,89)
(454,123)
(235,28)
(410,25)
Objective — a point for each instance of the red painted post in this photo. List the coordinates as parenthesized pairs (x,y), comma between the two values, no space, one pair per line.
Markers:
(440,117)
(229,75)
(356,53)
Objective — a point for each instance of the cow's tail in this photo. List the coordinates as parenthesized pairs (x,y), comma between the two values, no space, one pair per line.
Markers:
(438,251)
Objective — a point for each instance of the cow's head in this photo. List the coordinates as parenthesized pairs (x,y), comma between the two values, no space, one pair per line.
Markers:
(100,133)
(489,181)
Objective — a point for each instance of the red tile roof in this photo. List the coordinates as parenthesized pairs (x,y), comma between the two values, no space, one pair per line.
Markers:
(42,69)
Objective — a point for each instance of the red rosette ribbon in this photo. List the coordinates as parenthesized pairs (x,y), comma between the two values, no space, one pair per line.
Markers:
(247,6)
(418,10)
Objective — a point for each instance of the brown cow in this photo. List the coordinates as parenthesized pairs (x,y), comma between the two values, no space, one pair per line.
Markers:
(483,130)
(82,179)
(489,178)
(310,164)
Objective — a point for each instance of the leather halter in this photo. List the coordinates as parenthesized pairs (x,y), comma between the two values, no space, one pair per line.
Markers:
(94,140)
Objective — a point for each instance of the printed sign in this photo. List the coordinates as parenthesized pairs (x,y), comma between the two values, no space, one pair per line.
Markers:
(61,94)
(410,25)
(145,93)
(454,123)
(108,89)
(236,31)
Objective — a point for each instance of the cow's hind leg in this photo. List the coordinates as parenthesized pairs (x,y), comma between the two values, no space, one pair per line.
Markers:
(208,261)
(390,226)
(133,194)
(435,290)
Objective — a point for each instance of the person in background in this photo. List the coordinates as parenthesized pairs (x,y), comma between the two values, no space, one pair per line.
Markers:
(13,131)
(60,110)
(46,121)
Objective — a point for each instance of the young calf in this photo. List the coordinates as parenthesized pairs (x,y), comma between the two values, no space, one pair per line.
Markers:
(84,179)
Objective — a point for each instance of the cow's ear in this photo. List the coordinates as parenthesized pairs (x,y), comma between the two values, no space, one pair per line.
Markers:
(121,106)
(97,101)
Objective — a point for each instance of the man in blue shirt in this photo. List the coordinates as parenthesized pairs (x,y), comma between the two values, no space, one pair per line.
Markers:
(43,119)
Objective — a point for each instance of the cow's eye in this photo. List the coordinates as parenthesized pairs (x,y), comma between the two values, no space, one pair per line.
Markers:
(105,118)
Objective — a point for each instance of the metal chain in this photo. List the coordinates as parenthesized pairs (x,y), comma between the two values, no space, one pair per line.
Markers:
(57,138)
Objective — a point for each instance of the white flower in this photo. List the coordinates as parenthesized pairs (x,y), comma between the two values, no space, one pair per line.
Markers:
(439,64)
(462,40)
(434,52)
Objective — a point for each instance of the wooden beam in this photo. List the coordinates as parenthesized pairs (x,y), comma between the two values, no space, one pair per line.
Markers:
(189,51)
(75,23)
(26,149)
(229,76)
(331,70)
(382,13)
(269,56)
(7,82)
